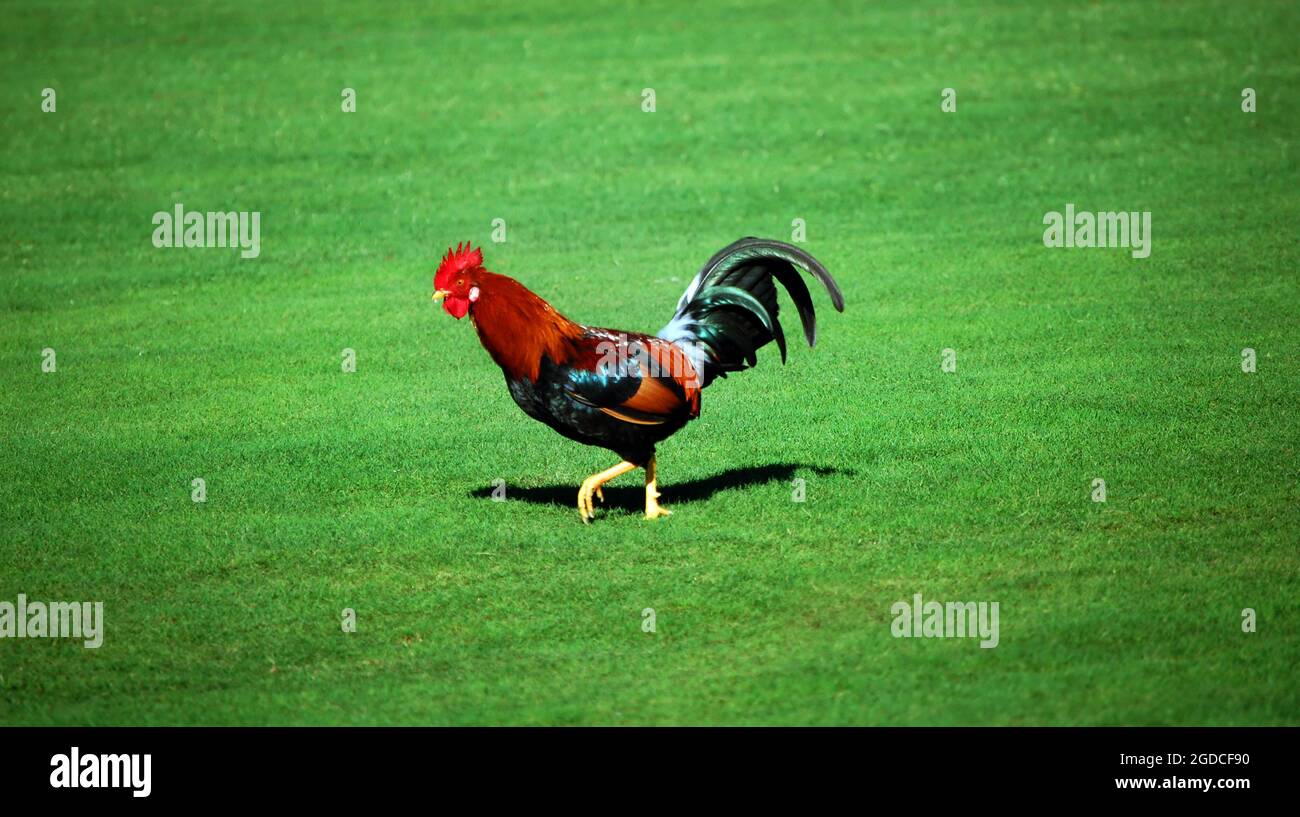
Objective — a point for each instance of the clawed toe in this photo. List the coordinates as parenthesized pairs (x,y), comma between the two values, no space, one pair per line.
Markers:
(592,485)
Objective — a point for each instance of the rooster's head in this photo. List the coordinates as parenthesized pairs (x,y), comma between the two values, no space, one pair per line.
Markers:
(456,283)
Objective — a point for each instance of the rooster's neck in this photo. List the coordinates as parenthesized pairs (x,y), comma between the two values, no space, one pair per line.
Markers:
(518,328)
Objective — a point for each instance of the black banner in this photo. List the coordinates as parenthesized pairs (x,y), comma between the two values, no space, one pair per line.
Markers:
(332,766)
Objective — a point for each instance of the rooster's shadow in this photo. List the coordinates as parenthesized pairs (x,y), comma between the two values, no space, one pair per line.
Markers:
(632,498)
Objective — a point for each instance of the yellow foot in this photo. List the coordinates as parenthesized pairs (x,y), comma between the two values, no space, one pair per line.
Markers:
(592,486)
(653,510)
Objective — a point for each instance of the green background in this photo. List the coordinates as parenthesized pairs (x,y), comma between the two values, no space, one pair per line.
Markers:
(368,490)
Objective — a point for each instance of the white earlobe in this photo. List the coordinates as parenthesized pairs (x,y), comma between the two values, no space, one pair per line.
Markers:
(473,294)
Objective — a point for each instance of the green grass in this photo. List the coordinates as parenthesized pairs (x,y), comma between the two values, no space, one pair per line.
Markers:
(329,490)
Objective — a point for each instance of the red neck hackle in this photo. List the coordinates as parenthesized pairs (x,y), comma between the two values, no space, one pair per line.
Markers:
(515,325)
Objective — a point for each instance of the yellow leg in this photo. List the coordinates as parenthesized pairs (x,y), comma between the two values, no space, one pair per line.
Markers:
(591,485)
(653,510)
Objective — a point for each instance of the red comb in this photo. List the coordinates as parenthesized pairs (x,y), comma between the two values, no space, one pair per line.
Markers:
(455,262)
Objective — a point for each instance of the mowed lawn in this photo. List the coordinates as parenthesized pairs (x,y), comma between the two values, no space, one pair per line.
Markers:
(371,490)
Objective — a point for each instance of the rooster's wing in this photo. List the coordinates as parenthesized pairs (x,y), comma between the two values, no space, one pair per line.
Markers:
(634,378)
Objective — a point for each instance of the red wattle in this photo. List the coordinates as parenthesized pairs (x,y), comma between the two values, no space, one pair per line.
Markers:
(456,306)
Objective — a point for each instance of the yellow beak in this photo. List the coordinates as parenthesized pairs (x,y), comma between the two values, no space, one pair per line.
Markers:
(439,294)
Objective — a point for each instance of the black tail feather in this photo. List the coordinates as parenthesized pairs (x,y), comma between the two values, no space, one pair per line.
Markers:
(729,310)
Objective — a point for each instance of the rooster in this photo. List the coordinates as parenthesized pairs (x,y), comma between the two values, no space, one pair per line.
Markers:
(626,391)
